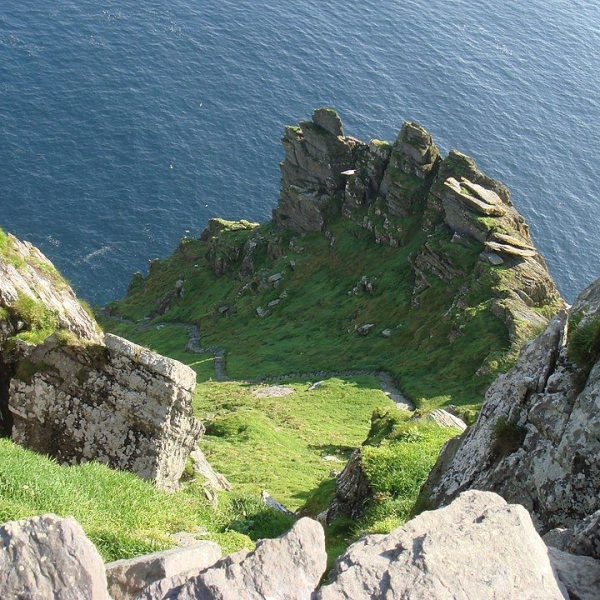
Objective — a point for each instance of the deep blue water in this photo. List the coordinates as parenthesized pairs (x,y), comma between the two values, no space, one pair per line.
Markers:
(125,123)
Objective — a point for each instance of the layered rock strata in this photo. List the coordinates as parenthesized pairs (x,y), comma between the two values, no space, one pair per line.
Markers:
(395,190)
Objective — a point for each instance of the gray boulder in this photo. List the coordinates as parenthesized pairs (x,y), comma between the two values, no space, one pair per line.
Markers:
(112,402)
(287,568)
(478,547)
(128,578)
(579,574)
(49,557)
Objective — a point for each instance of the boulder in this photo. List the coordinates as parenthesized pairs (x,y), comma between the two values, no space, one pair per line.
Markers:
(537,439)
(445,419)
(112,402)
(49,557)
(478,547)
(128,578)
(287,568)
(580,575)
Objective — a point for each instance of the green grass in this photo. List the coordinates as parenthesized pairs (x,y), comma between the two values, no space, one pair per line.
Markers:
(584,341)
(122,514)
(313,327)
(278,444)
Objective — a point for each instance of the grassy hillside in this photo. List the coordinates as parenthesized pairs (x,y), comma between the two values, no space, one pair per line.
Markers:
(322,302)
(292,445)
(122,514)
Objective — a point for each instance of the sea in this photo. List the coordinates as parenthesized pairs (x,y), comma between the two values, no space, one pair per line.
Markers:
(127,124)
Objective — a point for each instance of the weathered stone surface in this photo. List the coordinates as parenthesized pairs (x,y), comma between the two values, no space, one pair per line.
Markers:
(128,578)
(202,467)
(478,547)
(445,419)
(582,538)
(27,273)
(49,557)
(116,403)
(457,165)
(537,438)
(328,119)
(579,574)
(316,155)
(413,163)
(286,568)
(352,490)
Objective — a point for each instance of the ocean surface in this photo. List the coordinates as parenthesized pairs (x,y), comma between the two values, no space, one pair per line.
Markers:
(126,124)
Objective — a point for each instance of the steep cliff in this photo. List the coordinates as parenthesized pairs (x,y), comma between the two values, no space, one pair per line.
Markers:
(537,439)
(71,392)
(408,261)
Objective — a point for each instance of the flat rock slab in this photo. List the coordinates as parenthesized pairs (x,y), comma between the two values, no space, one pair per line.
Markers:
(127,578)
(273,391)
(287,568)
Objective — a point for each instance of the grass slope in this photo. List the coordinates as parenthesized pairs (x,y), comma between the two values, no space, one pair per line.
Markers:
(279,444)
(314,325)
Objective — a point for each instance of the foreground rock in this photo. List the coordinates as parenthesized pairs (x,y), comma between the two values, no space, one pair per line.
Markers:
(128,578)
(478,547)
(580,575)
(289,567)
(537,439)
(115,402)
(49,557)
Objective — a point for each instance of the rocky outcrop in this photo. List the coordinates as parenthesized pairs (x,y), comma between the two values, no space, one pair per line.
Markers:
(352,490)
(49,557)
(316,156)
(128,578)
(580,575)
(81,395)
(395,190)
(32,290)
(288,567)
(114,402)
(582,538)
(478,547)
(537,439)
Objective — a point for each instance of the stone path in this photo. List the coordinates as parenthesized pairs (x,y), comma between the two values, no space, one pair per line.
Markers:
(194,346)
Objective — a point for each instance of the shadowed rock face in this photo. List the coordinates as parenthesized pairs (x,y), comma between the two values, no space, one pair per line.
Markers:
(316,155)
(115,402)
(537,439)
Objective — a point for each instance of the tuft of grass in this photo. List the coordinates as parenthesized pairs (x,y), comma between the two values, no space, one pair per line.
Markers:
(584,341)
